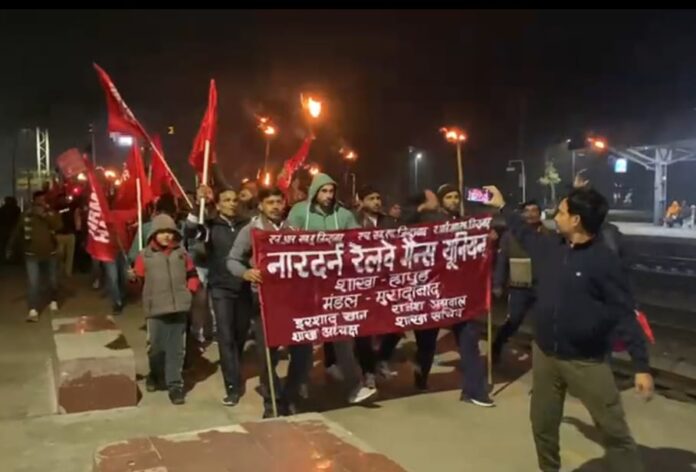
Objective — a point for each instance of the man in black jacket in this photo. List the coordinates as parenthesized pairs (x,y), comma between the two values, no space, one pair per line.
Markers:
(231,296)
(582,298)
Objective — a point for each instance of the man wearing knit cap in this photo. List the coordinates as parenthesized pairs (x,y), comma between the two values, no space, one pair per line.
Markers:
(466,333)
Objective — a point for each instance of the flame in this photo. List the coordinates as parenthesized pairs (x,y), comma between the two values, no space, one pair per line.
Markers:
(267,179)
(267,127)
(81,177)
(117,182)
(453,135)
(314,170)
(312,105)
(109,174)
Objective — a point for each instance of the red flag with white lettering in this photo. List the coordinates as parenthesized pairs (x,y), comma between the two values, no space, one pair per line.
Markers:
(121,118)
(100,243)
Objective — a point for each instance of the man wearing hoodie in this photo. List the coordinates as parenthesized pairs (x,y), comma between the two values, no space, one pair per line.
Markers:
(169,278)
(230,295)
(321,212)
(240,263)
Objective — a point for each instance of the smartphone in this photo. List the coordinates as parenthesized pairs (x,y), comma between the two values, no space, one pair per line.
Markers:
(478,195)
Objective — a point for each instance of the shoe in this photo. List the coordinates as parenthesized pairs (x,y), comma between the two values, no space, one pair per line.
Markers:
(267,413)
(53,306)
(232,399)
(153,385)
(33,316)
(117,309)
(177,395)
(384,371)
(335,373)
(96,284)
(370,381)
(360,394)
(485,401)
(420,381)
(303,391)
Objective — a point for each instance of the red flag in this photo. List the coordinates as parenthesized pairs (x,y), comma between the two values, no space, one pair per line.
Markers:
(121,118)
(100,243)
(161,180)
(127,198)
(207,132)
(292,164)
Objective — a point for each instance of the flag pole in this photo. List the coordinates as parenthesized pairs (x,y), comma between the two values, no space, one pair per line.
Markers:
(140,213)
(206,161)
(271,381)
(489,348)
(166,165)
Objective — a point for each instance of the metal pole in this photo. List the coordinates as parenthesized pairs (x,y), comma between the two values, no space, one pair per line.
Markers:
(524,182)
(460,172)
(94,147)
(416,166)
(353,194)
(572,167)
(265,159)
(206,160)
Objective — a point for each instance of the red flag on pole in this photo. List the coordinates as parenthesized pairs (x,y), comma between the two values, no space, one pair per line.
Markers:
(121,118)
(292,164)
(127,195)
(161,180)
(207,132)
(100,243)
(123,121)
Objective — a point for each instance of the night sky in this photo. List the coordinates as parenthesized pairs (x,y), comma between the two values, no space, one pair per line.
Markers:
(516,81)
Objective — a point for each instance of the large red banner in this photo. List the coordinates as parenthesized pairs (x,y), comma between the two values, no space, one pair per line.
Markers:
(326,286)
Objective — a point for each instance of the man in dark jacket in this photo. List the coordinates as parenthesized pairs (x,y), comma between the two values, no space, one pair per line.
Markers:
(36,230)
(582,298)
(230,295)
(513,268)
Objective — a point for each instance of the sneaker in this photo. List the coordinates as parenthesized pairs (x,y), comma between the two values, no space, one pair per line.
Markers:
(335,373)
(384,371)
(177,395)
(370,381)
(232,399)
(53,306)
(33,316)
(485,401)
(153,385)
(360,394)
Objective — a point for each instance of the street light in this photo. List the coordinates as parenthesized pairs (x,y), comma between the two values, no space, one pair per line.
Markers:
(124,140)
(457,136)
(522,176)
(416,159)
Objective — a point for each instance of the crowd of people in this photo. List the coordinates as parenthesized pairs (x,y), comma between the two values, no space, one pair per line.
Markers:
(198,280)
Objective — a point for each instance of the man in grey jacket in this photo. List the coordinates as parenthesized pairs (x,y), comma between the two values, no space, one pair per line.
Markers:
(240,264)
